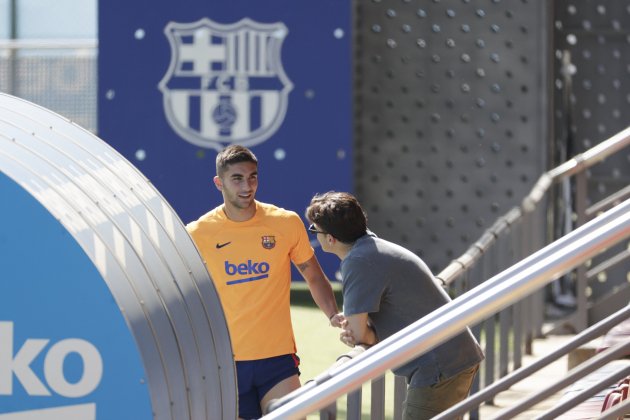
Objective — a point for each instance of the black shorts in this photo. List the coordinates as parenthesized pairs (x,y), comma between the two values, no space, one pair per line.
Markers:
(256,377)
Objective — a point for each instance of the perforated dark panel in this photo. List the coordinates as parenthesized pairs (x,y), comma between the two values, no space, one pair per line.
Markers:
(451,101)
(593,38)
(592,60)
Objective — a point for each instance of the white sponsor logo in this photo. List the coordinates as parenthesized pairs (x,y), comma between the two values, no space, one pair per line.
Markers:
(18,364)
(71,412)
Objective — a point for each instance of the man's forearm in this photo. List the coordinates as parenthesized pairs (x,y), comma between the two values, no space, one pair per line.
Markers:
(320,287)
(358,331)
(323,295)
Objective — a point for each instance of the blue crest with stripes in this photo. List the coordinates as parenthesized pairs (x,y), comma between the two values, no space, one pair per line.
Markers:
(225,83)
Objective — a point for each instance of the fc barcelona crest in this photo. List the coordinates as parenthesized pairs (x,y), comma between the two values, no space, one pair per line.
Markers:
(268,242)
(225,83)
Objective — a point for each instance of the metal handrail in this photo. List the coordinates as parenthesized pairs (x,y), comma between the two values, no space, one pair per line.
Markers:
(592,156)
(487,393)
(480,249)
(571,167)
(586,393)
(582,370)
(571,250)
(609,201)
(544,254)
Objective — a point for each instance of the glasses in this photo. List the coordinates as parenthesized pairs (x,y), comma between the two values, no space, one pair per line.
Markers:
(312,229)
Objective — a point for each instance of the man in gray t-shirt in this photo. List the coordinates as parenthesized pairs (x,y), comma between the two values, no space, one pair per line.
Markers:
(386,288)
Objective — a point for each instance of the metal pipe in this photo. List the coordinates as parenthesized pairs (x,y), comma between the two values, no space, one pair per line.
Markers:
(592,156)
(608,264)
(533,273)
(609,201)
(45,44)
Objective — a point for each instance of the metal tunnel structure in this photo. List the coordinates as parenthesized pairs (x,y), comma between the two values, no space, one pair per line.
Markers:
(106,307)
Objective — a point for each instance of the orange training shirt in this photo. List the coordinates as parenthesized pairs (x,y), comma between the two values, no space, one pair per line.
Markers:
(250,264)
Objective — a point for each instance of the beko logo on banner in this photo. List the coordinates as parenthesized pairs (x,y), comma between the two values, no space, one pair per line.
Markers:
(19,364)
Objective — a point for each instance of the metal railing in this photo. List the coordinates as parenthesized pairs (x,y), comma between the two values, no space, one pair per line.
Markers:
(507,333)
(584,337)
(493,295)
(601,359)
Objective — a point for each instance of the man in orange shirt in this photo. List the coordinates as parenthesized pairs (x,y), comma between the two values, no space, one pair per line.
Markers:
(248,247)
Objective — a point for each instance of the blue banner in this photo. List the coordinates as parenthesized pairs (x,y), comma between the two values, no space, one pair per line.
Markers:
(65,348)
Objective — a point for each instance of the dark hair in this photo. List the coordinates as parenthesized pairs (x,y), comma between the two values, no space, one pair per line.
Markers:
(234,153)
(339,214)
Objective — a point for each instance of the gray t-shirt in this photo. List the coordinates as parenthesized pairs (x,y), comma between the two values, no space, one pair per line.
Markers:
(396,288)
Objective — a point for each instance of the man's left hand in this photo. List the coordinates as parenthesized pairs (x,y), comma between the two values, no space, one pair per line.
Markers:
(337,320)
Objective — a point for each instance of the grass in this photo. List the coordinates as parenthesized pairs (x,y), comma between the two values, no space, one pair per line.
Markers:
(318,347)
(318,343)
